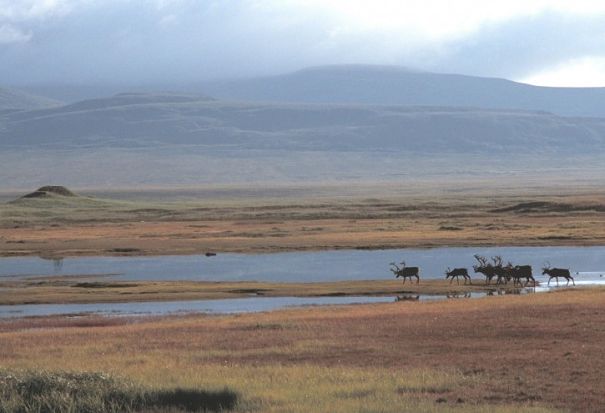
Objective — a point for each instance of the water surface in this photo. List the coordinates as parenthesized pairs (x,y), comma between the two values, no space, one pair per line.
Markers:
(308,266)
(586,264)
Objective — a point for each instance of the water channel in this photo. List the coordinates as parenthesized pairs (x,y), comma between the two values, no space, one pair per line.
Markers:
(586,263)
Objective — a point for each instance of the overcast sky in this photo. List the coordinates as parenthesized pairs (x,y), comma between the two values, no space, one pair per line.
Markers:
(546,42)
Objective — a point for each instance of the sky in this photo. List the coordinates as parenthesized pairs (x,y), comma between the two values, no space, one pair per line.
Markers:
(543,42)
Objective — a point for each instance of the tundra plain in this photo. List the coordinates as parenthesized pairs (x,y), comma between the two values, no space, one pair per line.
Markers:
(264,220)
(534,353)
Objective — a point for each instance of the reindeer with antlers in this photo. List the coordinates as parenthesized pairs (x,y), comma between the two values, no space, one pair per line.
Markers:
(556,273)
(502,273)
(484,268)
(405,272)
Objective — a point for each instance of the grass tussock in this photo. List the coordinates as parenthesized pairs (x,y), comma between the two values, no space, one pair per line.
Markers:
(57,392)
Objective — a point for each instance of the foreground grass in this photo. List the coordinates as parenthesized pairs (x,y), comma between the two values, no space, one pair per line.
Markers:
(50,392)
(534,353)
(265,389)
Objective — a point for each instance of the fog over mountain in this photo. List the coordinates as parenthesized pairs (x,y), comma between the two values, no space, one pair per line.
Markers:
(158,120)
(11,100)
(398,85)
(165,139)
(335,123)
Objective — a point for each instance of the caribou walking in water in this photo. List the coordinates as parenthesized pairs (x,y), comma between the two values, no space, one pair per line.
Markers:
(522,271)
(502,273)
(405,272)
(458,272)
(484,268)
(556,273)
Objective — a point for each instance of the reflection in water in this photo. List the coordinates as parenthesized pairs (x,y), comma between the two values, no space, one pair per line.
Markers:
(514,291)
(57,264)
(407,297)
(462,294)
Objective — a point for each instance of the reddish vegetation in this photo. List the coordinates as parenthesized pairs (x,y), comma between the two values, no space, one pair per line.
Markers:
(271,226)
(543,348)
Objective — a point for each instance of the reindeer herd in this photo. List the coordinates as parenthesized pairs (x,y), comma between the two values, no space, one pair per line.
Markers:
(520,275)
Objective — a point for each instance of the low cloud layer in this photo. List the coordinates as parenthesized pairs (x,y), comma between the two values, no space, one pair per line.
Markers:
(168,41)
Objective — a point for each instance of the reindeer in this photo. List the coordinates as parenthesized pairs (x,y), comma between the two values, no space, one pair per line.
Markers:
(458,272)
(484,268)
(405,272)
(556,273)
(522,271)
(502,273)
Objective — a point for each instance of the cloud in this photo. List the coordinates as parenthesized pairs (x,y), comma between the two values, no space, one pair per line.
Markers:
(523,46)
(27,10)
(146,41)
(579,72)
(9,34)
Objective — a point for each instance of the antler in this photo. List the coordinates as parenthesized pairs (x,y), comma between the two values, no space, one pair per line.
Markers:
(402,263)
(497,261)
(546,265)
(482,260)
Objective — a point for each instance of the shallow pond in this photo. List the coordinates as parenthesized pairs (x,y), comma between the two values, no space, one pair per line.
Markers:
(221,306)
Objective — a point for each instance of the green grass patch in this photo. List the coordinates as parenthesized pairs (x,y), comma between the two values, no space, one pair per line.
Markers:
(58,392)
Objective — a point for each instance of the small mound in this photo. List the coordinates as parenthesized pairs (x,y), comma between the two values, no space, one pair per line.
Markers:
(50,191)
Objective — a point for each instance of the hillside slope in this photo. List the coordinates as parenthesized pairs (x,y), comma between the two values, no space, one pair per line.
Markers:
(397,85)
(164,120)
(12,100)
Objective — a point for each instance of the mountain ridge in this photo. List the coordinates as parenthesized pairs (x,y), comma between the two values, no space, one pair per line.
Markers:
(369,84)
(16,100)
(154,120)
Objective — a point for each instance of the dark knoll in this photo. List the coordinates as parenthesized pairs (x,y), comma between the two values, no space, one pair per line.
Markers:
(50,191)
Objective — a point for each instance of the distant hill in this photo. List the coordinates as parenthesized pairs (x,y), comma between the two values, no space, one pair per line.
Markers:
(397,85)
(12,100)
(169,120)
